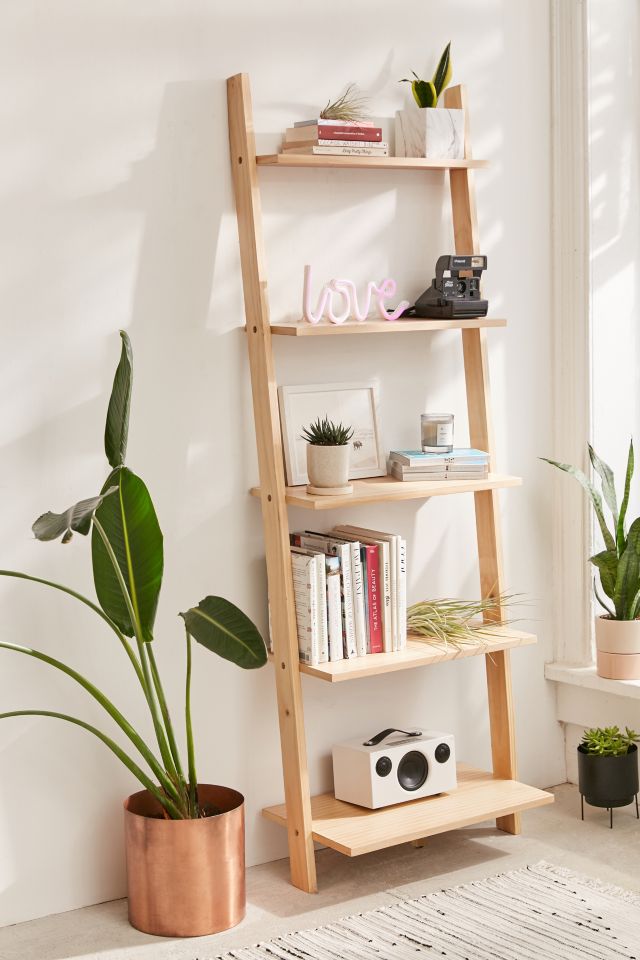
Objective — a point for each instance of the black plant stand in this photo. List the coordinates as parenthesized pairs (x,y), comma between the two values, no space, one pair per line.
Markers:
(608,782)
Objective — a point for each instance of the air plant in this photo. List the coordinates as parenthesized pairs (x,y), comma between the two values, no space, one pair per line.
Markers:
(326,433)
(427,92)
(128,559)
(349,108)
(608,741)
(458,622)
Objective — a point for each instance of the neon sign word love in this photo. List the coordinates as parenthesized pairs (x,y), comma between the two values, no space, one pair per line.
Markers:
(346,289)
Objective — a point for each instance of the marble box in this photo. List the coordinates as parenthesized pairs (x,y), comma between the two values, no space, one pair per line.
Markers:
(433,132)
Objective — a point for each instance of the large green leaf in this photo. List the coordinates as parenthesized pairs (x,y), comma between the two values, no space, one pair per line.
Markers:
(224,629)
(605,473)
(442,76)
(117,426)
(424,93)
(77,519)
(620,532)
(596,499)
(131,526)
(607,564)
(628,578)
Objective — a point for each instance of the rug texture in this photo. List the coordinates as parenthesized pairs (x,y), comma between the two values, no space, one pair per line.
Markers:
(541,912)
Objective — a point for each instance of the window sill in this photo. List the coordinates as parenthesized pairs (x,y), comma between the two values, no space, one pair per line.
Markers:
(587,679)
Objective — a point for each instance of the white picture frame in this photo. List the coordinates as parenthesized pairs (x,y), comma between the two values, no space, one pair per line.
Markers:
(353,404)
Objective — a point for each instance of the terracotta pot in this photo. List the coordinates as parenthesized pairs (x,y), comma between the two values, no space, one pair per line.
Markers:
(328,466)
(618,648)
(185,878)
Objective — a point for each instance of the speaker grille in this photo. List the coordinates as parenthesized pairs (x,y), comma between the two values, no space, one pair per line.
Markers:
(413,770)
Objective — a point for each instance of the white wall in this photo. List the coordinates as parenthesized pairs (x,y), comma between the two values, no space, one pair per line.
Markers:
(117,211)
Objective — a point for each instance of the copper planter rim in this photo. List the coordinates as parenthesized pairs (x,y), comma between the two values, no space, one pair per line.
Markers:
(185,878)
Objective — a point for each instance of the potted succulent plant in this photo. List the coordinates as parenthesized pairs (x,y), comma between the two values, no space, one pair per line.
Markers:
(618,565)
(423,130)
(608,768)
(184,839)
(328,448)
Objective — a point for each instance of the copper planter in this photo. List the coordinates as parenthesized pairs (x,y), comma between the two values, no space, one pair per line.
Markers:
(185,878)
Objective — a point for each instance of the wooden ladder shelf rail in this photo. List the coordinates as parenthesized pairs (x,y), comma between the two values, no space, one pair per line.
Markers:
(481,795)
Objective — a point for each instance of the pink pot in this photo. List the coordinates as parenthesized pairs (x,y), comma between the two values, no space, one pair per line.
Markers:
(618,648)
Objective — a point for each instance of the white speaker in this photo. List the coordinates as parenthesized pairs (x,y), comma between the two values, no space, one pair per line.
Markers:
(394,766)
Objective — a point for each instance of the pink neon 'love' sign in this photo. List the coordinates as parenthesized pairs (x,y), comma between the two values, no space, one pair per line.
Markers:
(346,289)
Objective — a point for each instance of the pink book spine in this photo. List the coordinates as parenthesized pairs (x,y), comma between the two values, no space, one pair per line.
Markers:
(375,597)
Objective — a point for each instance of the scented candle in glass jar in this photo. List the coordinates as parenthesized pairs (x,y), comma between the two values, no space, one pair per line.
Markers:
(436,430)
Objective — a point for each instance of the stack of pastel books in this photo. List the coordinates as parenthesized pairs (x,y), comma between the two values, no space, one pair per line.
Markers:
(459,464)
(359,138)
(350,589)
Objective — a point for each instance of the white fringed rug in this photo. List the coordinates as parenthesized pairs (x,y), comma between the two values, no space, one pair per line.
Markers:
(541,912)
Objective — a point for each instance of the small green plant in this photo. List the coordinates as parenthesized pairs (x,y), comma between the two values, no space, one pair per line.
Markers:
(349,108)
(128,560)
(457,622)
(326,433)
(427,92)
(619,563)
(609,741)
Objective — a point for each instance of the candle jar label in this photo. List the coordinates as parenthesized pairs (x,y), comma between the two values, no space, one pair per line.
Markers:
(444,435)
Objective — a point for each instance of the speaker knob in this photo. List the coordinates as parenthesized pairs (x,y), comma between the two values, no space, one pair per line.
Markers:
(412,770)
(442,752)
(383,767)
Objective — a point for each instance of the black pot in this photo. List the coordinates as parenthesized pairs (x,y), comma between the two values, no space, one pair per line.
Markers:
(608,781)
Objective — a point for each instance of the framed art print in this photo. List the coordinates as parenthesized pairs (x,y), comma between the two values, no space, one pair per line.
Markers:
(352,404)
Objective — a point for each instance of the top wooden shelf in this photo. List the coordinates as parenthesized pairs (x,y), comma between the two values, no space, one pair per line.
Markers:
(300,328)
(375,163)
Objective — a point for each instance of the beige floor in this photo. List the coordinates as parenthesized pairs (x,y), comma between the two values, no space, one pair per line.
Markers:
(554,833)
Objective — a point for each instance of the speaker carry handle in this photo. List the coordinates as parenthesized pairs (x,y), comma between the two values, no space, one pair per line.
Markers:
(379,737)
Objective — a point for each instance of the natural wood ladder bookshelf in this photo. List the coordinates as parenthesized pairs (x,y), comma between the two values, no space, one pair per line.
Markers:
(480,796)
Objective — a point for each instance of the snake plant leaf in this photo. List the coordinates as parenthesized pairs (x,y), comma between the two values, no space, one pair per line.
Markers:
(620,532)
(442,76)
(132,529)
(117,426)
(424,93)
(221,627)
(77,519)
(605,473)
(596,499)
(602,601)
(607,563)
(628,576)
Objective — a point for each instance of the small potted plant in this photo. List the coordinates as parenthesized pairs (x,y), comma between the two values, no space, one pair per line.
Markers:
(184,839)
(608,768)
(423,130)
(618,566)
(328,448)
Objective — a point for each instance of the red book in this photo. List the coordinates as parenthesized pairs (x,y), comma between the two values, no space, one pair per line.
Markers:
(375,598)
(333,131)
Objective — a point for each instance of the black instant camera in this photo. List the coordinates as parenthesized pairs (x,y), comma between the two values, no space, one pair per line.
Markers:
(453,297)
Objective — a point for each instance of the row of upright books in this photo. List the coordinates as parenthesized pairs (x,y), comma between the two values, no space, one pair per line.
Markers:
(350,588)
(339,137)
(457,464)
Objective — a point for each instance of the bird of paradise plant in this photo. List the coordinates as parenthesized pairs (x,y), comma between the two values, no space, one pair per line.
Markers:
(128,559)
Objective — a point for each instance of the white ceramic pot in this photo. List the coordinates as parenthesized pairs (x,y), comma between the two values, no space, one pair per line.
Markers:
(433,132)
(618,648)
(328,466)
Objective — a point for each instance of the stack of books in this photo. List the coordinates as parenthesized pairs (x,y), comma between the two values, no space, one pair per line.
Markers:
(339,137)
(350,588)
(458,464)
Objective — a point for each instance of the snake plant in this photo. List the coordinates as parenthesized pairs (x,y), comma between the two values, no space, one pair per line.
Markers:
(128,559)
(426,93)
(619,563)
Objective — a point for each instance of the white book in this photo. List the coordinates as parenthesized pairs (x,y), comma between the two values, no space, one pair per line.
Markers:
(321,593)
(358,599)
(317,541)
(305,587)
(388,544)
(402,594)
(350,151)
(334,608)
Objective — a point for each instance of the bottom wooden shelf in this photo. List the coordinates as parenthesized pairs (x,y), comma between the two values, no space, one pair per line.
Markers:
(354,830)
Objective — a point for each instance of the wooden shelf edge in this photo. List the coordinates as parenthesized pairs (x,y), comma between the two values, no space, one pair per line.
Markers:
(417,654)
(380,489)
(376,163)
(301,328)
(354,831)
